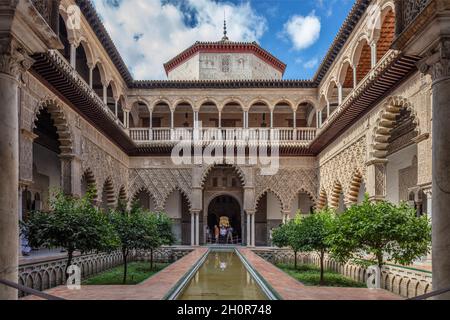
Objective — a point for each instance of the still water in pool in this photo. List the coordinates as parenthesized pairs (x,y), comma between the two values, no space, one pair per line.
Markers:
(222,277)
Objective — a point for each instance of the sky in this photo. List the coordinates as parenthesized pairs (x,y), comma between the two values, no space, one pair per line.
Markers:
(149,33)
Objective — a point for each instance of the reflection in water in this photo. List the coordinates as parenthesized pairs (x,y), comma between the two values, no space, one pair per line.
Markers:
(222,277)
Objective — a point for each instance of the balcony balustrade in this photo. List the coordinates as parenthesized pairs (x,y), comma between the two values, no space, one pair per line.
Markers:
(206,135)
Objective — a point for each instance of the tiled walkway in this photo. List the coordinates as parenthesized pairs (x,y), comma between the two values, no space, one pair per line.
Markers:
(290,289)
(154,288)
(160,284)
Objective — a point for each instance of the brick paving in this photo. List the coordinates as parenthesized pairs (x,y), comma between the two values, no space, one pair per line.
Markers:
(291,289)
(154,288)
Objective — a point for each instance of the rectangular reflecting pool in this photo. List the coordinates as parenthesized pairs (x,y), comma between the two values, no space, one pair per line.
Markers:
(222,276)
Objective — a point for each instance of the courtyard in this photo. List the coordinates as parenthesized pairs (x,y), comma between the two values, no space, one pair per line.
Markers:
(224,150)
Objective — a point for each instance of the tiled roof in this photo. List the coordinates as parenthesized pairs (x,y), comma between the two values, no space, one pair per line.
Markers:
(219,46)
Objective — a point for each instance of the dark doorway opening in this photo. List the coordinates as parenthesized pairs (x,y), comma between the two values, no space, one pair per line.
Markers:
(225,207)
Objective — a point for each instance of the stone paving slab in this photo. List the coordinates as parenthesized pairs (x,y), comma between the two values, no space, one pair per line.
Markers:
(291,289)
(154,288)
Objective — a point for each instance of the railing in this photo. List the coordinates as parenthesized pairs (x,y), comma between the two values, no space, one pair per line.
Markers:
(147,135)
(29,291)
(431,294)
(61,60)
(379,67)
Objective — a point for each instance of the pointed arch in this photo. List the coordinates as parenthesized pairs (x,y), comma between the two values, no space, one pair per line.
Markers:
(336,194)
(354,188)
(386,121)
(123,197)
(322,201)
(305,191)
(237,169)
(61,123)
(108,194)
(276,194)
(88,181)
(143,190)
(183,194)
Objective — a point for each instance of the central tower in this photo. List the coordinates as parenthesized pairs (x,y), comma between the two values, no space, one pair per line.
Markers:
(225,60)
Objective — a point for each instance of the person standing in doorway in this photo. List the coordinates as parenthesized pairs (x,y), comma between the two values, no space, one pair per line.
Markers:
(216,233)
(230,235)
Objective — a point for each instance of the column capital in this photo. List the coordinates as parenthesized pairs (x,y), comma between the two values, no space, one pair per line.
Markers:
(250,212)
(437,61)
(14,59)
(194,211)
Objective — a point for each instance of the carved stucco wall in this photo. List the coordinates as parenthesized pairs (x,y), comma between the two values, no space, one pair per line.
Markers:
(342,168)
(160,183)
(350,153)
(94,150)
(103,166)
(286,185)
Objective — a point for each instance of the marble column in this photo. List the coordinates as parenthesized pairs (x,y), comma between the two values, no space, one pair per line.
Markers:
(9,167)
(373,55)
(376,179)
(355,80)
(438,65)
(192,229)
(197,228)
(91,76)
(73,55)
(71,175)
(248,230)
(105,94)
(253,236)
(340,93)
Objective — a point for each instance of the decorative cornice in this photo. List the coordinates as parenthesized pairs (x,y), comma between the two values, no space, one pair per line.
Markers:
(221,84)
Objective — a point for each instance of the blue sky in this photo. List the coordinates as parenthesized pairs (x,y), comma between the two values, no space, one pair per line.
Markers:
(150,32)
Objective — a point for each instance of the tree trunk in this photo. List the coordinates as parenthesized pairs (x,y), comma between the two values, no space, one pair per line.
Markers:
(380,260)
(69,262)
(151,259)
(125,265)
(295,260)
(322,256)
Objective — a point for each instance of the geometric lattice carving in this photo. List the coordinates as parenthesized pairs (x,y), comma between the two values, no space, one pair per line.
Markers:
(286,185)
(341,168)
(160,183)
(103,166)
(380,179)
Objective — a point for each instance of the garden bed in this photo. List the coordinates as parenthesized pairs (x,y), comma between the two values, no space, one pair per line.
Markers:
(137,272)
(309,275)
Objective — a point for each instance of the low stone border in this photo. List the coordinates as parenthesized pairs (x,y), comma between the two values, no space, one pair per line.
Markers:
(44,275)
(404,281)
(154,288)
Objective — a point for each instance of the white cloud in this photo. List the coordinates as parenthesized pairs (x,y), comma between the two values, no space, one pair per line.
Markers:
(162,31)
(302,31)
(311,64)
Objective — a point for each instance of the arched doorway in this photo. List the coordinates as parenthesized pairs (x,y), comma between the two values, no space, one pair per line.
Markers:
(226,206)
(46,157)
(222,185)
